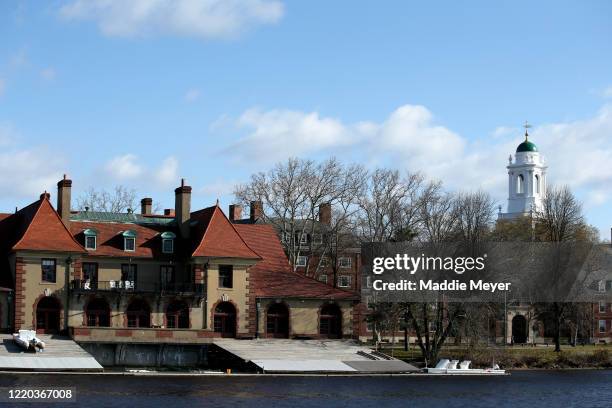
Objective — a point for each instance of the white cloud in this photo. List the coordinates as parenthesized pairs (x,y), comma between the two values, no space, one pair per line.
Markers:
(124,167)
(167,174)
(187,18)
(579,152)
(219,188)
(129,168)
(39,169)
(276,134)
(48,74)
(192,95)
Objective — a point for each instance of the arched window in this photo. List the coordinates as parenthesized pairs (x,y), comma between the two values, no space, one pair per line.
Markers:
(330,321)
(224,320)
(537,184)
(138,314)
(98,313)
(48,315)
(177,315)
(277,321)
(520,184)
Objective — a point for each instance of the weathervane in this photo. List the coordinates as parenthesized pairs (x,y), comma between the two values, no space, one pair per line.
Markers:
(526,126)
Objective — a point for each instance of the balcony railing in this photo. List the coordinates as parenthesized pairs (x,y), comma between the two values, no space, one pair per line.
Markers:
(79,285)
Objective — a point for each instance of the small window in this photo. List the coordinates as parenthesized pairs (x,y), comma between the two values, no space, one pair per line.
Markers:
(130,244)
(90,239)
(345,262)
(286,237)
(368,281)
(48,270)
(602,306)
(323,278)
(325,262)
(344,281)
(301,261)
(168,242)
(602,326)
(303,238)
(129,240)
(602,286)
(317,239)
(537,184)
(226,276)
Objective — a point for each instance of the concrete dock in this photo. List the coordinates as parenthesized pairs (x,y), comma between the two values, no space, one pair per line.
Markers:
(60,354)
(312,356)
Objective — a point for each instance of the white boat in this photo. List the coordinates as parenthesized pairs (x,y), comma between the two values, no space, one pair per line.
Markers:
(27,340)
(454,367)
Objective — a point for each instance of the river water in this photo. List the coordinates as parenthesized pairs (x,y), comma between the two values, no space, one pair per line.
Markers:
(584,388)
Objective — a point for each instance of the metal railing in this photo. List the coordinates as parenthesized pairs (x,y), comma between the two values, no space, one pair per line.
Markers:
(80,285)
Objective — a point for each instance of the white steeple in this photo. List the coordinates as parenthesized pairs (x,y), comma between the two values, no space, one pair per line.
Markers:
(526,180)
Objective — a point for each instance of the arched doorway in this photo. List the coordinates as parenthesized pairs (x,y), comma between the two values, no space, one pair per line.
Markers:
(98,313)
(224,321)
(277,321)
(519,329)
(138,314)
(330,321)
(177,315)
(48,311)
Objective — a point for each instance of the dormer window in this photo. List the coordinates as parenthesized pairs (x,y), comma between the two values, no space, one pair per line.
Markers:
(129,240)
(91,239)
(168,242)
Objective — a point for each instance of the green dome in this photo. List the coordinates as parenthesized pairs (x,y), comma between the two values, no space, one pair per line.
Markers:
(526,146)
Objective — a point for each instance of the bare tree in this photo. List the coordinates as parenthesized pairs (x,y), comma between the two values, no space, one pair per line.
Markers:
(292,194)
(446,219)
(119,200)
(390,205)
(559,221)
(560,218)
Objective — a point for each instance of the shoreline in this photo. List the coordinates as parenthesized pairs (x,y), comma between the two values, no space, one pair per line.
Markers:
(222,374)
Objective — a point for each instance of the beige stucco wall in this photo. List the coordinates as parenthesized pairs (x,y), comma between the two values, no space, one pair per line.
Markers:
(35,287)
(238,294)
(304,316)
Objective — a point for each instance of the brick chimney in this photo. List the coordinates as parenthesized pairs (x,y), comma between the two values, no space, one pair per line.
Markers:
(64,193)
(235,212)
(325,213)
(146,206)
(256,211)
(182,208)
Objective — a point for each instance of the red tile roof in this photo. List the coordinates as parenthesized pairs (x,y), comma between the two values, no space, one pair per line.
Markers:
(216,236)
(273,276)
(38,227)
(109,239)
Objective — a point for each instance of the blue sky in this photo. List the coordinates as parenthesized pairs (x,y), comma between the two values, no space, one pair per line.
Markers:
(141,93)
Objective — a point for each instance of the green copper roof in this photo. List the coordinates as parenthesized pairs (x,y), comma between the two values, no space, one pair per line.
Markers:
(526,146)
(96,216)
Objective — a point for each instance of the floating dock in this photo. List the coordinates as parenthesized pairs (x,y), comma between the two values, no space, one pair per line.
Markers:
(60,354)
